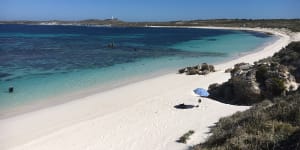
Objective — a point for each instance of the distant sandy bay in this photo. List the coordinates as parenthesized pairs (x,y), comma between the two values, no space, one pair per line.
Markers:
(135,116)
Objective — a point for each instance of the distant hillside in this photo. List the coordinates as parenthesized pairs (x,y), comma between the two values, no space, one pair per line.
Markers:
(292,24)
(87,22)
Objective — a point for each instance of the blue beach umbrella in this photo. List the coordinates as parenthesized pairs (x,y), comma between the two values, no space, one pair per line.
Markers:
(202,92)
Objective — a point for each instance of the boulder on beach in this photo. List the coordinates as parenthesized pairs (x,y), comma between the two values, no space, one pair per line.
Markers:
(202,69)
(228,70)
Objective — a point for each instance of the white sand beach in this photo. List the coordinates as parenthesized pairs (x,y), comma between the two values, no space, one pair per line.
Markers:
(136,116)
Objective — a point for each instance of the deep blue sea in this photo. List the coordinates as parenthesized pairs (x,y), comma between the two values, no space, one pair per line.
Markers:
(46,61)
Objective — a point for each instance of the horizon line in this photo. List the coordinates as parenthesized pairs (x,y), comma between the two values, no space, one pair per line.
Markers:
(104,19)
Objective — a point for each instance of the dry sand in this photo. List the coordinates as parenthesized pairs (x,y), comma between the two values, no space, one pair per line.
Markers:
(132,117)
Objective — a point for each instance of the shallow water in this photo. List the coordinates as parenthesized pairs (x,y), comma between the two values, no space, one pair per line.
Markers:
(42,61)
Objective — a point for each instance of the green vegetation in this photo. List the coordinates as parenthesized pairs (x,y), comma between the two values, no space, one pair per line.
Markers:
(261,74)
(290,57)
(277,86)
(266,125)
(291,24)
(269,124)
(266,79)
(185,137)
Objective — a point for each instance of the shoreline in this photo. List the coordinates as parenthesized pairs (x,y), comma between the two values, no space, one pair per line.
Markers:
(65,98)
(280,33)
(147,108)
(70,96)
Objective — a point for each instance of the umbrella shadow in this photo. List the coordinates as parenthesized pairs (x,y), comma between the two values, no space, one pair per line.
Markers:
(184,106)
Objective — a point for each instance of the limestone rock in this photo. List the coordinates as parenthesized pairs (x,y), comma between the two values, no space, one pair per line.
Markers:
(250,84)
(202,69)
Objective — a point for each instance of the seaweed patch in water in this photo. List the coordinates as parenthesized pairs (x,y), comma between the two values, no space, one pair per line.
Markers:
(211,39)
(3,75)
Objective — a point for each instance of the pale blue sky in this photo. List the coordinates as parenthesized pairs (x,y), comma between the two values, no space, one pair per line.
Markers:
(147,10)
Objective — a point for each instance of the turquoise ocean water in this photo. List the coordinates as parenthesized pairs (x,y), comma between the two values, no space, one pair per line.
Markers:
(41,62)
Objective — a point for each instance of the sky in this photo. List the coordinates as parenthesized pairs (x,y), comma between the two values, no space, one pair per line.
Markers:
(147,10)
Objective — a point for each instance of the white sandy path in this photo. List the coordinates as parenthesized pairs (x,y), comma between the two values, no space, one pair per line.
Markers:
(136,116)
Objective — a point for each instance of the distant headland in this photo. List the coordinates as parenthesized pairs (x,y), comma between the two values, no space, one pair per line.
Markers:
(292,24)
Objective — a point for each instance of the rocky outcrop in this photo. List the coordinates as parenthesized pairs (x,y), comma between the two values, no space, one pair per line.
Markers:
(202,69)
(290,57)
(250,84)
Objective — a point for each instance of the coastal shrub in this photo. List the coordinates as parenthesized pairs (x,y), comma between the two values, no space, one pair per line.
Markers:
(265,79)
(185,137)
(290,143)
(290,57)
(276,87)
(265,125)
(271,124)
(261,74)
(296,73)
